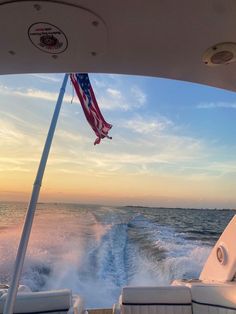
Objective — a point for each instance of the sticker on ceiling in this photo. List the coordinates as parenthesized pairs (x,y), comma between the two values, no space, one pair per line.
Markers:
(48,38)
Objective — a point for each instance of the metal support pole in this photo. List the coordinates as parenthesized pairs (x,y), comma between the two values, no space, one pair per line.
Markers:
(12,292)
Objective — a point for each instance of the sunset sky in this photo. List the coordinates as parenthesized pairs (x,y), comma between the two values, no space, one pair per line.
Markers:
(173,143)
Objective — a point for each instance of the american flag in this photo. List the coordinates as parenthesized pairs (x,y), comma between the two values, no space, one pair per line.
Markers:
(89,104)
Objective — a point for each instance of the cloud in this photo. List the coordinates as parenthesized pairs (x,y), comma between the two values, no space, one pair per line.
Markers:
(126,158)
(135,92)
(139,95)
(47,77)
(147,154)
(156,149)
(9,133)
(224,168)
(114,93)
(126,153)
(213,105)
(209,170)
(17,161)
(14,163)
(115,99)
(14,169)
(144,145)
(111,92)
(112,99)
(142,125)
(110,103)
(69,136)
(99,83)
(19,137)
(34,93)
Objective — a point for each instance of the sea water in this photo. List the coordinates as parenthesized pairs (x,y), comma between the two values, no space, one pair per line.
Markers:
(96,250)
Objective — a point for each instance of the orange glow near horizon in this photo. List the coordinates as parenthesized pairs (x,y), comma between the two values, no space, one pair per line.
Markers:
(115,190)
(153,159)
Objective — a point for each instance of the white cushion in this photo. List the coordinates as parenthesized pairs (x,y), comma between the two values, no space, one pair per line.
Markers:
(30,302)
(221,295)
(155,295)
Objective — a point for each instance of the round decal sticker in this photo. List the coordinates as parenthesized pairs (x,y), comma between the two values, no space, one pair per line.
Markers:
(48,38)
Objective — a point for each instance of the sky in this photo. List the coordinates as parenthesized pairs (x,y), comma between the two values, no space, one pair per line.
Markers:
(173,143)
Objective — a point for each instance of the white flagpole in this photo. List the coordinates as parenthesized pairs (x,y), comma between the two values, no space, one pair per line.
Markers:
(12,292)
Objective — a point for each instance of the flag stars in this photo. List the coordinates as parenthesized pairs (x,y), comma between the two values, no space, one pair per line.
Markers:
(90,107)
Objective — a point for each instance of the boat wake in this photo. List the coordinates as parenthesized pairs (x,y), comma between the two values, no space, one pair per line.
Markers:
(96,252)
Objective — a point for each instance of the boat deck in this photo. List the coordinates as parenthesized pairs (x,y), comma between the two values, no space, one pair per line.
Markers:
(99,311)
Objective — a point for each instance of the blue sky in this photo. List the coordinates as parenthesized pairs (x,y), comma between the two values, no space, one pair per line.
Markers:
(173,142)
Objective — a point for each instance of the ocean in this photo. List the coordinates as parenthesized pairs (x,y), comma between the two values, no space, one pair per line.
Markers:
(96,250)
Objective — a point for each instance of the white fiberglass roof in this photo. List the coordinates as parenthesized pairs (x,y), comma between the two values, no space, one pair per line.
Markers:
(153,37)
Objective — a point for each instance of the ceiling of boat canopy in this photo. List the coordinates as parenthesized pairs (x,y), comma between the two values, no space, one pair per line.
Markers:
(163,38)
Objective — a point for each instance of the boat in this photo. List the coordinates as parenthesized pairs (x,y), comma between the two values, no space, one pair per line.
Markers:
(188,40)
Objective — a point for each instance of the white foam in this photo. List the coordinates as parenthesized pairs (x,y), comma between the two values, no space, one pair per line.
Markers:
(72,249)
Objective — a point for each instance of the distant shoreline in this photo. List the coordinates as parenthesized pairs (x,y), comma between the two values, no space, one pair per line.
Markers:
(178,208)
(122,206)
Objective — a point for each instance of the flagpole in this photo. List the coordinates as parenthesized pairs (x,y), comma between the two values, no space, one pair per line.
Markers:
(12,292)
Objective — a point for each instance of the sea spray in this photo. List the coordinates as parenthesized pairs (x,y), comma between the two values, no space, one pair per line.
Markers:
(95,251)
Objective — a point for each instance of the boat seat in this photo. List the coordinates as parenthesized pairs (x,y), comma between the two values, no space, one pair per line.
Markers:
(214,299)
(154,300)
(58,301)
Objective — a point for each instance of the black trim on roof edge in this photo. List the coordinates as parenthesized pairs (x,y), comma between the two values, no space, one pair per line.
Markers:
(215,305)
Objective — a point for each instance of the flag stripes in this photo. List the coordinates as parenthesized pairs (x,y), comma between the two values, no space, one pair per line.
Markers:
(90,107)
